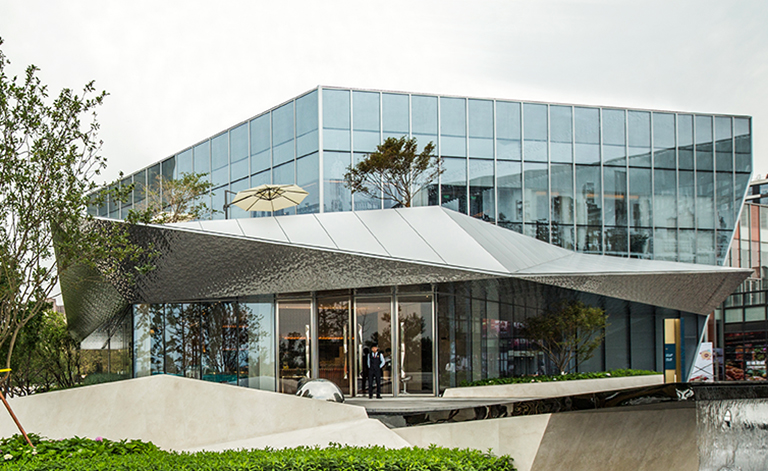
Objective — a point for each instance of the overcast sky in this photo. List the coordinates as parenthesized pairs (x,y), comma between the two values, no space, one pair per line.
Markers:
(180,71)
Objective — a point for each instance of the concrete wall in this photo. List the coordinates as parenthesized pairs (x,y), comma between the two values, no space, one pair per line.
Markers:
(178,413)
(556,388)
(518,437)
(631,439)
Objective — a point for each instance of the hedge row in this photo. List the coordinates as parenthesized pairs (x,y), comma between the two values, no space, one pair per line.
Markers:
(565,377)
(78,454)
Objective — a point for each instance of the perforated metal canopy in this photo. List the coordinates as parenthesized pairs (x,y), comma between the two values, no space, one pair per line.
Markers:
(207,260)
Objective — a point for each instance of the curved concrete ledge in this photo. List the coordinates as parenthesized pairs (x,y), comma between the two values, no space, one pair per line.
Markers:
(172,412)
(555,388)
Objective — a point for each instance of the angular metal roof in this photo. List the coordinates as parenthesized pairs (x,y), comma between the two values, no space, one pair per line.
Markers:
(315,252)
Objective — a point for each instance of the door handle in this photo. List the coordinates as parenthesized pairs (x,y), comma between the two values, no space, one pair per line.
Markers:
(306,350)
(346,365)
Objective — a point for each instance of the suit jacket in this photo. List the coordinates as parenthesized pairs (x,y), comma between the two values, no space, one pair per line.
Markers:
(372,363)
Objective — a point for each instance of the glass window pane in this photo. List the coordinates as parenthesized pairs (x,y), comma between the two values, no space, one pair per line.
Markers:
(665,198)
(664,140)
(616,241)
(453,127)
(640,197)
(705,195)
(508,130)
(217,202)
(687,199)
(394,110)
(481,200)
(238,142)
(639,138)
(510,195)
(481,128)
(726,209)
(615,181)
(685,141)
(704,157)
(562,134)
(168,168)
(614,152)
(184,163)
(687,245)
(453,184)
(588,195)
(153,173)
(665,244)
(742,145)
(336,196)
(139,188)
(589,239)
(536,193)
(284,175)
(562,193)
(364,202)
(235,187)
(308,178)
(705,247)
(366,121)
(306,124)
(261,157)
(259,318)
(282,134)
(424,119)
(587,124)
(535,132)
(723,144)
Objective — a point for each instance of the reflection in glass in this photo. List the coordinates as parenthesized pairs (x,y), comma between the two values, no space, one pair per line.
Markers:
(481,129)
(536,209)
(704,157)
(415,318)
(615,181)
(284,175)
(705,192)
(261,156)
(726,219)
(363,202)
(685,141)
(308,178)
(259,317)
(687,199)
(374,327)
(184,163)
(664,140)
(453,127)
(614,152)
(294,324)
(510,190)
(561,128)
(481,201)
(182,340)
(705,247)
(640,197)
(665,198)
(453,184)
(687,245)
(334,339)
(639,138)
(562,206)
(507,130)
(282,134)
(665,244)
(337,196)
(588,195)
(535,132)
(306,124)
(589,239)
(394,111)
(424,120)
(723,144)
(587,124)
(365,112)
(742,145)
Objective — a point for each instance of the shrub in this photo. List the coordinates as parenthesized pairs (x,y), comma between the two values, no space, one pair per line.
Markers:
(79,454)
(565,377)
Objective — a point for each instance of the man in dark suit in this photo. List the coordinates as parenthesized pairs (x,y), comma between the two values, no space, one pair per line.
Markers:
(376,363)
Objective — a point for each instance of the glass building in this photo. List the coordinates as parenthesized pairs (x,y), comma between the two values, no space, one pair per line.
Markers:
(642,184)
(632,183)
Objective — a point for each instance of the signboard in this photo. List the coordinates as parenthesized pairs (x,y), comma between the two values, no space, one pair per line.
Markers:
(703,368)
(670,359)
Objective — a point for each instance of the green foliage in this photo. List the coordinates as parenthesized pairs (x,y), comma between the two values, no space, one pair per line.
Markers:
(48,163)
(84,454)
(178,201)
(568,333)
(566,377)
(45,356)
(395,170)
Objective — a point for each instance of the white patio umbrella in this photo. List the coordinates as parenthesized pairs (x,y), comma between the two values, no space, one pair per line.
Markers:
(269,197)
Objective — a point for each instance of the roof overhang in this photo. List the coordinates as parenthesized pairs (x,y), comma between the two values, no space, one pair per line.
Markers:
(315,252)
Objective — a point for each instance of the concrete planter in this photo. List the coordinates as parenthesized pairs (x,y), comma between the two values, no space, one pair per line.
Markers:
(555,388)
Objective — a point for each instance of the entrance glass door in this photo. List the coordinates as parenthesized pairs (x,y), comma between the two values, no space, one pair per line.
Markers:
(373,318)
(294,320)
(416,344)
(333,341)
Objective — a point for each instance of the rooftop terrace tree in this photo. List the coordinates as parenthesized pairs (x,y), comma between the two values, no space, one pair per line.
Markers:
(395,171)
(48,162)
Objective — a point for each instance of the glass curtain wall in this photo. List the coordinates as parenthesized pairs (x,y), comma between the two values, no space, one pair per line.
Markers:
(599,180)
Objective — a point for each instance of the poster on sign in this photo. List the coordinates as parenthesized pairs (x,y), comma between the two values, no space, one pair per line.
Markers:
(703,368)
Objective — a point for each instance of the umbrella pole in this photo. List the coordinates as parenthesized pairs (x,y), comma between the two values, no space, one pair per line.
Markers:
(10,411)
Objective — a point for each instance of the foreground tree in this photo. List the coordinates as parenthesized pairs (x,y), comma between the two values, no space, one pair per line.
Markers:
(568,333)
(175,200)
(48,162)
(395,171)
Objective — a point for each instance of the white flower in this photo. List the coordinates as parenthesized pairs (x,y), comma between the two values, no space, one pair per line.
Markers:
(8,456)
(34,452)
